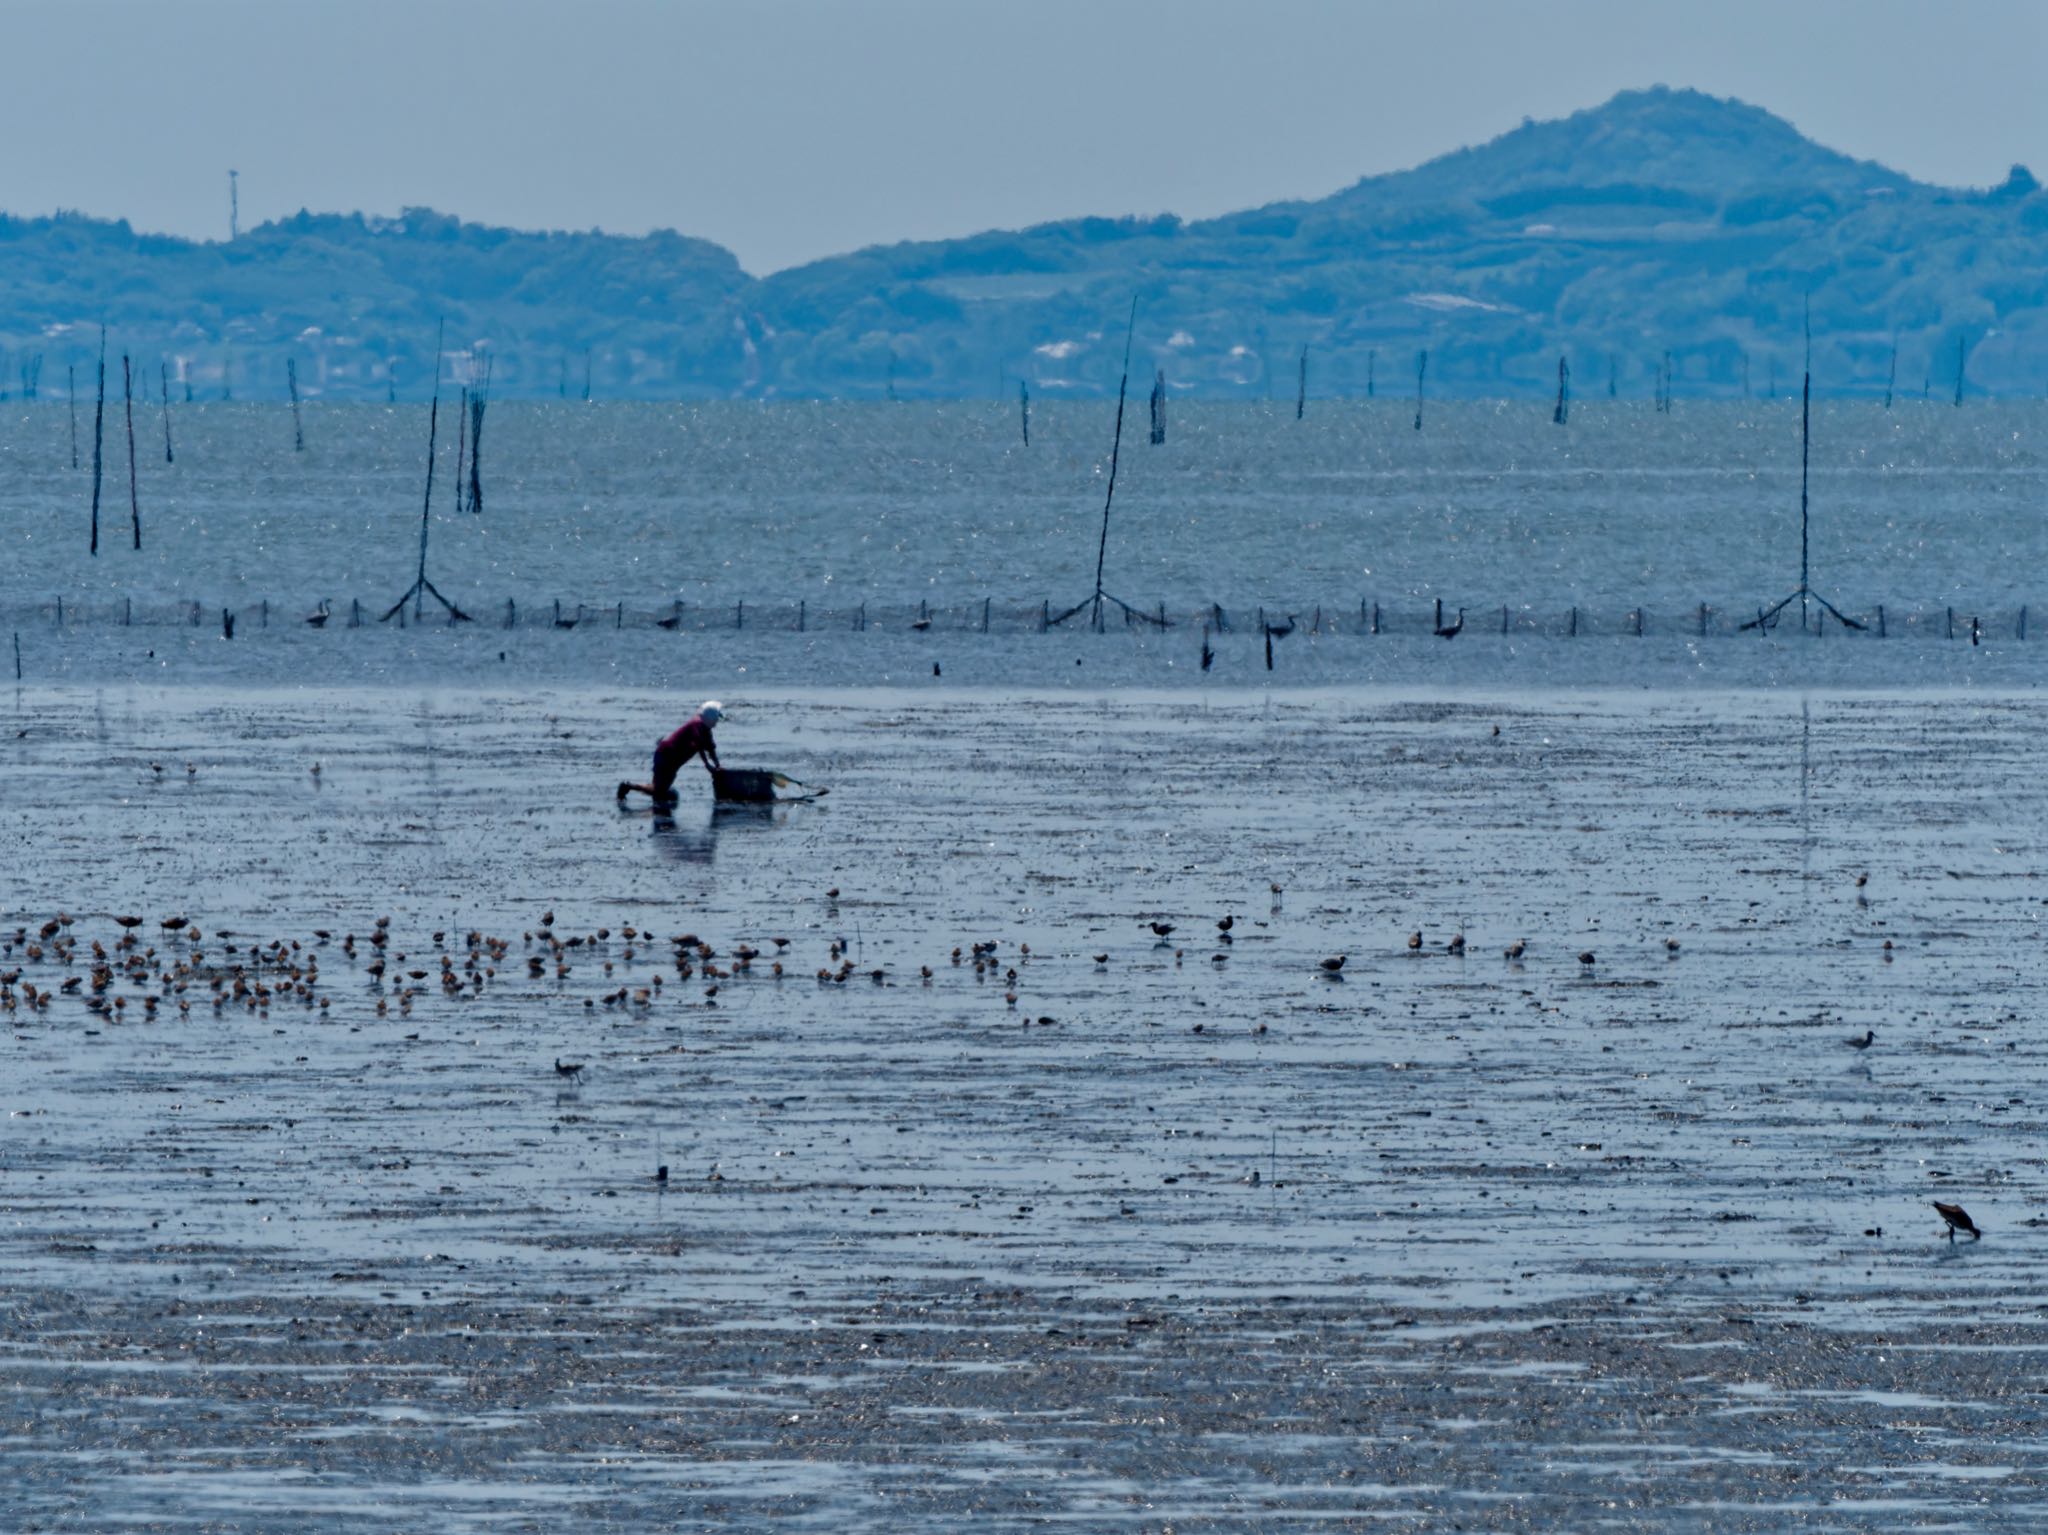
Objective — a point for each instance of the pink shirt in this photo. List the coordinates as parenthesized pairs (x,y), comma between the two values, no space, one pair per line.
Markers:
(686,740)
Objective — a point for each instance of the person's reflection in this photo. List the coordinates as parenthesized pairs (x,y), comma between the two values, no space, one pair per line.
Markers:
(693,836)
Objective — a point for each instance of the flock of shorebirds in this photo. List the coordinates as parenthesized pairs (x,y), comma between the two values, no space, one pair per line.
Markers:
(127,975)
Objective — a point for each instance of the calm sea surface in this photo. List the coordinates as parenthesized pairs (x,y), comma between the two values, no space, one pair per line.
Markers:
(832,505)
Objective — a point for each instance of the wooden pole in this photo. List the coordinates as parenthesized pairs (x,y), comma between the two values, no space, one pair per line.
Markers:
(99,415)
(427,500)
(1024,408)
(163,378)
(1564,380)
(1892,377)
(1421,371)
(1116,448)
(128,405)
(1301,384)
(1805,443)
(291,382)
(71,375)
(461,442)
(478,399)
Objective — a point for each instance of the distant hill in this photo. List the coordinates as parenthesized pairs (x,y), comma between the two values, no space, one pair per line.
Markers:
(1663,221)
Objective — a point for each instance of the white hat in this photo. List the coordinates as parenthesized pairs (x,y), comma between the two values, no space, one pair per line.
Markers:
(712,712)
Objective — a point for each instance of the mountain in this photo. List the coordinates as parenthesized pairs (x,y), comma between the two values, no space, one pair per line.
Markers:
(1661,222)
(358,302)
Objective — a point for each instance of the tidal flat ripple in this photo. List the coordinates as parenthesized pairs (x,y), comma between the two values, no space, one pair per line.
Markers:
(1172,1240)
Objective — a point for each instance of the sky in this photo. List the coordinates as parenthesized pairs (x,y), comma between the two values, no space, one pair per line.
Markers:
(788,130)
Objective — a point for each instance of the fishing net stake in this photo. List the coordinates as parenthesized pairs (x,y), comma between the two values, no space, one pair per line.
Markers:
(1766,617)
(1095,601)
(422,588)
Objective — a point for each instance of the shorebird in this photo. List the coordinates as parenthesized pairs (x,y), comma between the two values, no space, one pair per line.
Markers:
(661,1173)
(1163,929)
(1958,1220)
(672,622)
(1516,949)
(1586,957)
(1333,964)
(567,1068)
(1869,1038)
(1452,630)
(317,619)
(919,625)
(1457,944)
(129,922)
(1415,942)
(1101,959)
(1225,924)
(1671,946)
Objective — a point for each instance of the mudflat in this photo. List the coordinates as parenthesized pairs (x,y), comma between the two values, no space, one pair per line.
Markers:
(1200,1234)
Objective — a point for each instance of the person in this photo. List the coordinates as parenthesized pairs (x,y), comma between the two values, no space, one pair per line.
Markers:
(690,739)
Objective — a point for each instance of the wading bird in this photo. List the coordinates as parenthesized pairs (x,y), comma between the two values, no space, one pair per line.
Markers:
(1958,1220)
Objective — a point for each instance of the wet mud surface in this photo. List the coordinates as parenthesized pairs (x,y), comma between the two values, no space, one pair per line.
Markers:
(1195,1236)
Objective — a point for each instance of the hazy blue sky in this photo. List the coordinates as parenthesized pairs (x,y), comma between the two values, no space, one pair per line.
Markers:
(793,130)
